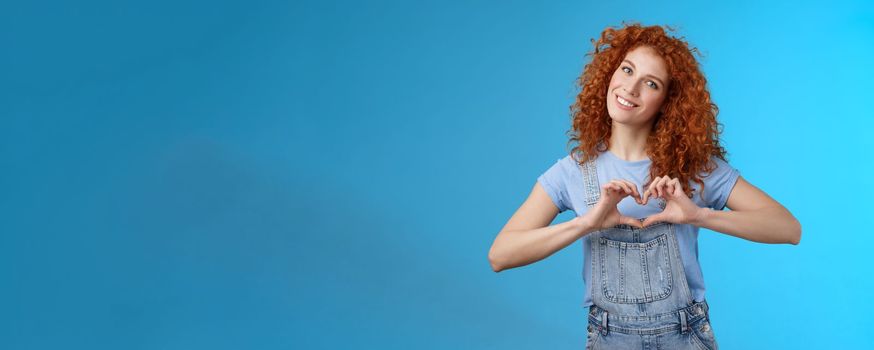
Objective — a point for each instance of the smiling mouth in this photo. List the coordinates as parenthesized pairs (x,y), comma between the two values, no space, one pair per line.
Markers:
(624,102)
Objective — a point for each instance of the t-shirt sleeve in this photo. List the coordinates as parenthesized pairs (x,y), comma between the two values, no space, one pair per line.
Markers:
(554,181)
(719,183)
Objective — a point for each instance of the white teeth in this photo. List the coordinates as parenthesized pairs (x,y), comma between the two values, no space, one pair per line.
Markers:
(624,102)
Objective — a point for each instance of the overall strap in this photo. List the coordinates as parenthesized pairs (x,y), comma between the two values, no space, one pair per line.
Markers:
(590,179)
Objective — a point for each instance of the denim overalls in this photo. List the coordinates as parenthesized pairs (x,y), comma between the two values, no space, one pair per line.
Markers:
(638,287)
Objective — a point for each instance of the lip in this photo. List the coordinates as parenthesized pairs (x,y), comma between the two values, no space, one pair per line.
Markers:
(621,106)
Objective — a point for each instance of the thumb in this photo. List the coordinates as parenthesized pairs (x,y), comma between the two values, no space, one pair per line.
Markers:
(629,221)
(653,219)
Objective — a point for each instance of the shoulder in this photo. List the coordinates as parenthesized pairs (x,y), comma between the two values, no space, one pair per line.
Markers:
(719,182)
(568,161)
(556,178)
(565,165)
(719,168)
(720,163)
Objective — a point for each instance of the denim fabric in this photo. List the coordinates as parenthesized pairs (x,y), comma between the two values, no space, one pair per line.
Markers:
(640,296)
(563,182)
(657,331)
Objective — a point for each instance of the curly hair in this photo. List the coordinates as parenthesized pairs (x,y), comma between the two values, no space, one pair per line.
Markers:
(685,133)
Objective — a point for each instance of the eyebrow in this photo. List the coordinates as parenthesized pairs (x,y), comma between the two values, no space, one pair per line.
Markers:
(649,75)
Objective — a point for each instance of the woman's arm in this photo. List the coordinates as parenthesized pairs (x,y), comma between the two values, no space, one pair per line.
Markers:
(754,216)
(527,236)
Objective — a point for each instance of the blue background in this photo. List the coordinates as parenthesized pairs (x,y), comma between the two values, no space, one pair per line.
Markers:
(325,175)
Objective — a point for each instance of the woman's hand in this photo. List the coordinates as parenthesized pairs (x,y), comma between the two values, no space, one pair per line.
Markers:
(679,209)
(604,214)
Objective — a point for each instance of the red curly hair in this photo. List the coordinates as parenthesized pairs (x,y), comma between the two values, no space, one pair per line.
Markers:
(685,133)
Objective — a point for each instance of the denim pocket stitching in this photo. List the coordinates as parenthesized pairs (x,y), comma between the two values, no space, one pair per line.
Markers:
(661,241)
(698,342)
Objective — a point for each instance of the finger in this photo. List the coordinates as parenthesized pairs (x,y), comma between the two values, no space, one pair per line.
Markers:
(625,186)
(670,187)
(622,189)
(649,190)
(611,188)
(680,191)
(646,222)
(605,188)
(676,188)
(653,219)
(620,185)
(634,191)
(629,221)
(665,187)
(659,186)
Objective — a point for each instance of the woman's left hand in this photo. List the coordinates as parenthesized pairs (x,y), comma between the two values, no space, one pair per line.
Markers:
(679,209)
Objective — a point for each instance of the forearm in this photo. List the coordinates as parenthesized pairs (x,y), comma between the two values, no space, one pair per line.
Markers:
(522,247)
(767,225)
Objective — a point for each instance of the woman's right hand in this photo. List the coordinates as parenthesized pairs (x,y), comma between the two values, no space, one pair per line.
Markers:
(605,214)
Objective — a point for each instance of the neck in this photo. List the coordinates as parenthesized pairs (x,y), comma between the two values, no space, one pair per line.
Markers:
(628,142)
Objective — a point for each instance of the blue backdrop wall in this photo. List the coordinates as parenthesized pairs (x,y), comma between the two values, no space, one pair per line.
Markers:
(327,175)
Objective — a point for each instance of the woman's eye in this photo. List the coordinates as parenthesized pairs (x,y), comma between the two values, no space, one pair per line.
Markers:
(650,83)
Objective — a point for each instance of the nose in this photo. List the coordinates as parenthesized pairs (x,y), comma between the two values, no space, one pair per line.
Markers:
(632,92)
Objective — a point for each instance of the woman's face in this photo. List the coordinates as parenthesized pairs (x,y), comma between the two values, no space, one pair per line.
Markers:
(641,79)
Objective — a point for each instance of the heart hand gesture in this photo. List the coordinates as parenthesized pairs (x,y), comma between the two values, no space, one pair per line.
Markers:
(604,214)
(679,209)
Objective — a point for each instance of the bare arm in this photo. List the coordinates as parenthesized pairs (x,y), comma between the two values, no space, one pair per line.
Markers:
(527,236)
(754,216)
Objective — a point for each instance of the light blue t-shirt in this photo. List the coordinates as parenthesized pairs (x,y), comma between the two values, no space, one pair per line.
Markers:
(563,182)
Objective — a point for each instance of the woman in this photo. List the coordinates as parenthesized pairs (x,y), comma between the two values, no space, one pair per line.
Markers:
(645,129)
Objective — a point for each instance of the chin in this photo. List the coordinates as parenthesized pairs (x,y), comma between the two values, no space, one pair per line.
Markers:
(629,121)
(621,119)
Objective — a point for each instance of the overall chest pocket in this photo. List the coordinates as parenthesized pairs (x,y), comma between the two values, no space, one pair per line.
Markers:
(633,272)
